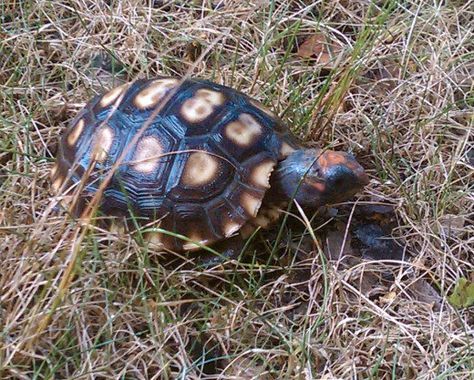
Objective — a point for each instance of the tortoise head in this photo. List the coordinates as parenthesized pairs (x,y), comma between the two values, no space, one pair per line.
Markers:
(314,177)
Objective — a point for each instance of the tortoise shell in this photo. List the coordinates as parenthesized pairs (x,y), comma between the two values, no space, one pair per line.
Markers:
(193,157)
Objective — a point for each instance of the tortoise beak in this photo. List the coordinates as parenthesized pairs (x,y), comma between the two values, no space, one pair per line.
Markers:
(361,175)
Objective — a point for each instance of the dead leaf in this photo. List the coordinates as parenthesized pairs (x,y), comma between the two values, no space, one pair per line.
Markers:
(421,291)
(322,48)
(336,248)
(388,298)
(372,284)
(192,51)
(381,78)
(246,369)
(383,70)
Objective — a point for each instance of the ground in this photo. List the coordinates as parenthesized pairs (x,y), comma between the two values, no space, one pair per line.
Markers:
(389,81)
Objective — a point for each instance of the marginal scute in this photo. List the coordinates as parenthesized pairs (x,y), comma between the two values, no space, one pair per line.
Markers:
(201,105)
(103,143)
(151,95)
(244,131)
(196,242)
(250,203)
(200,169)
(230,227)
(260,174)
(147,154)
(111,96)
(286,149)
(75,133)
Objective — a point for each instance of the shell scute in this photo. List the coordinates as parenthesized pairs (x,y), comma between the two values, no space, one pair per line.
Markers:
(204,174)
(190,220)
(224,218)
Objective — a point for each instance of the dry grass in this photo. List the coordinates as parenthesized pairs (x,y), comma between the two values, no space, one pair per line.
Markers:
(400,96)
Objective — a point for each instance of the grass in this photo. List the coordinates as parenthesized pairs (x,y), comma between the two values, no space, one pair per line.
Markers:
(399,96)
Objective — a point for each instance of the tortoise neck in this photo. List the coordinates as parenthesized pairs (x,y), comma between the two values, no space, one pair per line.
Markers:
(287,176)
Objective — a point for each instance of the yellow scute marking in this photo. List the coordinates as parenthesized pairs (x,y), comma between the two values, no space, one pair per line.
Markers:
(244,131)
(200,169)
(250,203)
(201,105)
(260,174)
(75,133)
(147,154)
(103,143)
(154,93)
(197,242)
(111,96)
(267,216)
(230,228)
(286,149)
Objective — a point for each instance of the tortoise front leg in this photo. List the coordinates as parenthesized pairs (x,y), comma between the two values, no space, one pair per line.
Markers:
(229,249)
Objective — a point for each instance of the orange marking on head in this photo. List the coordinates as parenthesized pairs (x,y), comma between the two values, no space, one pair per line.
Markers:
(335,158)
(329,159)
(319,186)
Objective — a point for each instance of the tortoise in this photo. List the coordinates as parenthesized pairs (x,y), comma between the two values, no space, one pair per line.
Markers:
(196,161)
